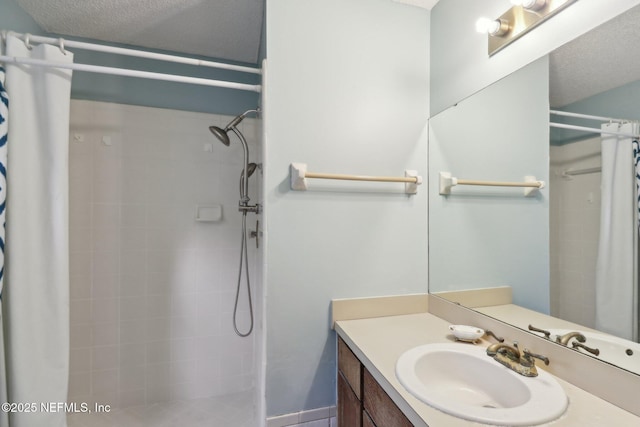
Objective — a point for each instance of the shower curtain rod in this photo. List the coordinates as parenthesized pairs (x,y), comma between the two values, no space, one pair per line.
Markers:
(589,129)
(586,116)
(28,38)
(592,130)
(131,73)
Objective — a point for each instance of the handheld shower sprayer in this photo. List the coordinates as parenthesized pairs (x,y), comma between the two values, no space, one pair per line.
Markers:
(243,206)
(251,169)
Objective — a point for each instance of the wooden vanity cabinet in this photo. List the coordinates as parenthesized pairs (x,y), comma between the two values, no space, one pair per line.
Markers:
(349,387)
(349,406)
(366,420)
(378,404)
(361,400)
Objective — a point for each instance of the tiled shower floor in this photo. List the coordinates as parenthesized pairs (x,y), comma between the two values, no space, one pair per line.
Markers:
(233,410)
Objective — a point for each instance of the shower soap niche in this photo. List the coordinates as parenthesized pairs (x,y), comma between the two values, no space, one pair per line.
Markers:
(211,213)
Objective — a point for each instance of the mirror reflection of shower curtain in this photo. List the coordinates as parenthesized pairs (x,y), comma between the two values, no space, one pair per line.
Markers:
(35,298)
(616,268)
(4,130)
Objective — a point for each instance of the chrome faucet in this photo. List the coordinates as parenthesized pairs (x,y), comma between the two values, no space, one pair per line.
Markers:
(511,357)
(508,351)
(564,339)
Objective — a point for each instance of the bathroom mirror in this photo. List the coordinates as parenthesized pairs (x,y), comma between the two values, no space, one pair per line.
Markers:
(541,249)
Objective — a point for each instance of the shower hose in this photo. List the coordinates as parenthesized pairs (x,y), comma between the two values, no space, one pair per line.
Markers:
(244,259)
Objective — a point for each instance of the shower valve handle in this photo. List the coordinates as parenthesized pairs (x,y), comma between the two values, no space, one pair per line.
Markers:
(256,234)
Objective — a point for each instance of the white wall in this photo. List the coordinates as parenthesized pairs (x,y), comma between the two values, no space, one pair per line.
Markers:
(346,92)
(152,290)
(460,63)
(482,237)
(575,226)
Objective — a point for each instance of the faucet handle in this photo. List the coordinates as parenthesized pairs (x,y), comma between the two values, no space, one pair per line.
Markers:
(491,334)
(594,351)
(542,331)
(527,357)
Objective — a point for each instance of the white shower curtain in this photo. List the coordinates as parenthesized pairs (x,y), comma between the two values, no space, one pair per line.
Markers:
(35,299)
(4,131)
(616,268)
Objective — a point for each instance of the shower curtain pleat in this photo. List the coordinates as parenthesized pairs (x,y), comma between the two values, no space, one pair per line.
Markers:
(616,267)
(35,300)
(4,130)
(636,287)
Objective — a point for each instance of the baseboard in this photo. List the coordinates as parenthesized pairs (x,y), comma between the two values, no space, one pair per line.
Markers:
(300,418)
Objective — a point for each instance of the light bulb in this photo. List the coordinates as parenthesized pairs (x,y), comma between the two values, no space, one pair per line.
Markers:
(493,27)
(482,25)
(499,27)
(530,4)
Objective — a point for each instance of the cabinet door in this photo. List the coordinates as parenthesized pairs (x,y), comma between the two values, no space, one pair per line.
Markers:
(349,406)
(378,404)
(366,420)
(350,367)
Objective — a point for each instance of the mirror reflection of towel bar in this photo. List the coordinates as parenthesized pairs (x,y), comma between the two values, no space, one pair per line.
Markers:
(530,184)
(569,173)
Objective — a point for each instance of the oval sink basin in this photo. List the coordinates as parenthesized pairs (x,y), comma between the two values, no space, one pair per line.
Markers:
(461,380)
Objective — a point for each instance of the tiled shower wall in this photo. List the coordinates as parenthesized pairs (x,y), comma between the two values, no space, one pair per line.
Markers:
(575,225)
(152,290)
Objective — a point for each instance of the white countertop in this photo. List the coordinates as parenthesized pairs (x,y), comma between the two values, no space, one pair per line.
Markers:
(378,342)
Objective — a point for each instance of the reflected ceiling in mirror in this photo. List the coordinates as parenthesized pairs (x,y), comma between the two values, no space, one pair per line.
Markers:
(596,62)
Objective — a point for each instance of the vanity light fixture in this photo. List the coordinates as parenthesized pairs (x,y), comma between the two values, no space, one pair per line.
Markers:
(524,16)
(530,4)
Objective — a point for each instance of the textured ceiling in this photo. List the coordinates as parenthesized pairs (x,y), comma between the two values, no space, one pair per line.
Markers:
(602,59)
(223,29)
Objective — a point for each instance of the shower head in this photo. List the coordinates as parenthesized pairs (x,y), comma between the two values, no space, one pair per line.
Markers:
(221,134)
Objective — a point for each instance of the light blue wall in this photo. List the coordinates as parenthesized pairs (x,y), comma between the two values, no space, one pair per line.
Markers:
(481,237)
(346,92)
(622,102)
(128,90)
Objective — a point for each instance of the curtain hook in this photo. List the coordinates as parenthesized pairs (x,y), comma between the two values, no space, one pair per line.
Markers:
(61,44)
(26,41)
